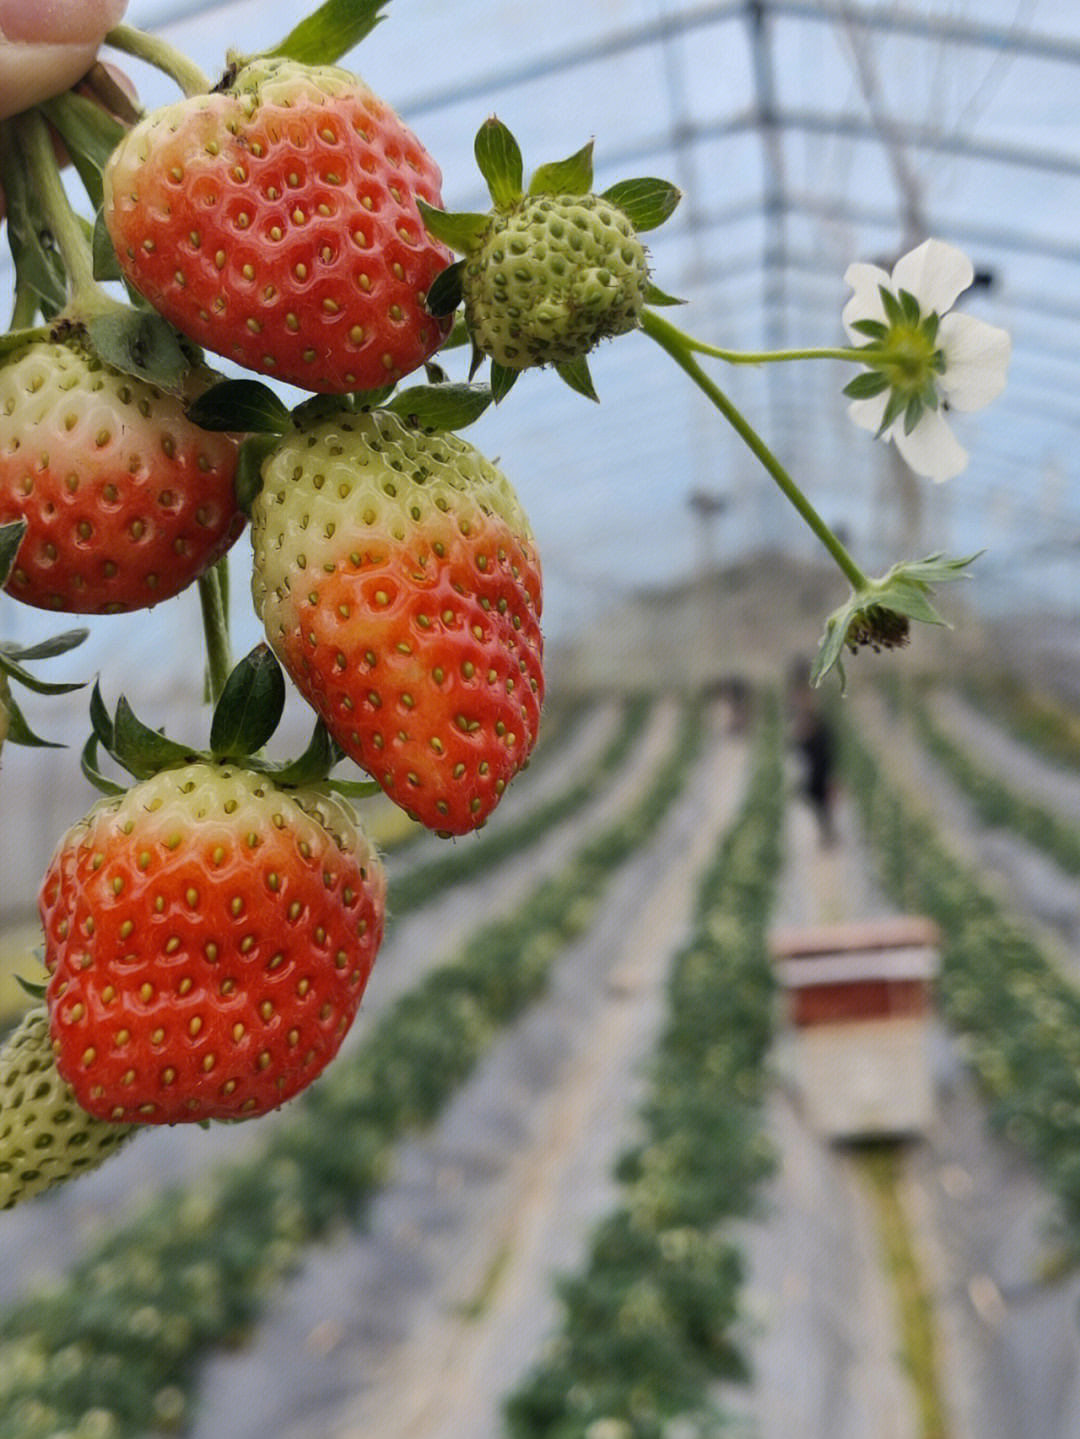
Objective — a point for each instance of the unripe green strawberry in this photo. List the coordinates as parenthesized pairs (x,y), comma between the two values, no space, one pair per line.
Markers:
(551,278)
(45,1137)
(126,501)
(275,222)
(208,937)
(397,578)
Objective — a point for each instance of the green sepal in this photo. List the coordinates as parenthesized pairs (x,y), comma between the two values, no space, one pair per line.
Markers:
(140,343)
(893,410)
(458,336)
(872,329)
(576,374)
(502,380)
(103,252)
(141,750)
(655,296)
(364,400)
(88,763)
(11,537)
(15,671)
(330,32)
(476,359)
(100,718)
(240,407)
(445,291)
(460,230)
(440,407)
(35,988)
(19,732)
(317,408)
(435,373)
(894,311)
(48,649)
(572,176)
(646,203)
(16,339)
(90,135)
(910,307)
(913,413)
(251,705)
(499,159)
(354,788)
(312,767)
(37,266)
(248,479)
(866,385)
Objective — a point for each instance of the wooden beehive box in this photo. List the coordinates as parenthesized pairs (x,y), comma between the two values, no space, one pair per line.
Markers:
(859,999)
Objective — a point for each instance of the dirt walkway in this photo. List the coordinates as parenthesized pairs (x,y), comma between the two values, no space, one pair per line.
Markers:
(417,1329)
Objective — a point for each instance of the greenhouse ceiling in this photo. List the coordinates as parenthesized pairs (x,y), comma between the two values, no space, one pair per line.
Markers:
(804,135)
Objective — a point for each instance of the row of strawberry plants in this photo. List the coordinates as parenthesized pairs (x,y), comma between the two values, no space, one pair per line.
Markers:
(1037,719)
(1015,1014)
(647,1328)
(114,1350)
(996,803)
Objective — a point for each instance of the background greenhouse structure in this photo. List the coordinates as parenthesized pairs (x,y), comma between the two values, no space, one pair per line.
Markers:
(598,1202)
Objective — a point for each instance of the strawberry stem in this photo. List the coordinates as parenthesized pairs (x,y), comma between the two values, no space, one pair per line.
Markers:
(213,587)
(163,56)
(680,348)
(65,228)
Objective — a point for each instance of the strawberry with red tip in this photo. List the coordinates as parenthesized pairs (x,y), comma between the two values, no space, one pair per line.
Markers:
(208,936)
(275,222)
(125,500)
(397,578)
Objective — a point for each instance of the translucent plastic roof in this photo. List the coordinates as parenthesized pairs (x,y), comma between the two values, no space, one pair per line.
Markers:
(805,134)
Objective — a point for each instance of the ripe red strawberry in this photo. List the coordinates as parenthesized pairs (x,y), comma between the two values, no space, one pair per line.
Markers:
(275,222)
(398,581)
(208,937)
(126,501)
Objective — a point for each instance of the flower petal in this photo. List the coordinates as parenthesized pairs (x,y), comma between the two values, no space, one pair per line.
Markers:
(868,414)
(931,448)
(976,361)
(935,273)
(865,303)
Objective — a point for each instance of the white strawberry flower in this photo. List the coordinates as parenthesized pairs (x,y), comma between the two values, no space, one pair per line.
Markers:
(921,359)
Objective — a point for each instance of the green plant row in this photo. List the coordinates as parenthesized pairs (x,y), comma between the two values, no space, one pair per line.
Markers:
(1039,720)
(995,803)
(1017,1017)
(460,864)
(647,1327)
(114,1350)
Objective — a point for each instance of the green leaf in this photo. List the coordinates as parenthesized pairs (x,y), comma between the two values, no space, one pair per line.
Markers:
(872,329)
(334,29)
(646,203)
(461,230)
(140,749)
(502,380)
(47,649)
(11,536)
(19,732)
(140,343)
(572,176)
(88,763)
(655,296)
(34,988)
(90,135)
(500,163)
(106,265)
(445,293)
(440,407)
(248,480)
(867,385)
(250,706)
(576,375)
(240,407)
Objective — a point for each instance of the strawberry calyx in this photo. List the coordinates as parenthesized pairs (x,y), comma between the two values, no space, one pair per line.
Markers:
(550,270)
(14,658)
